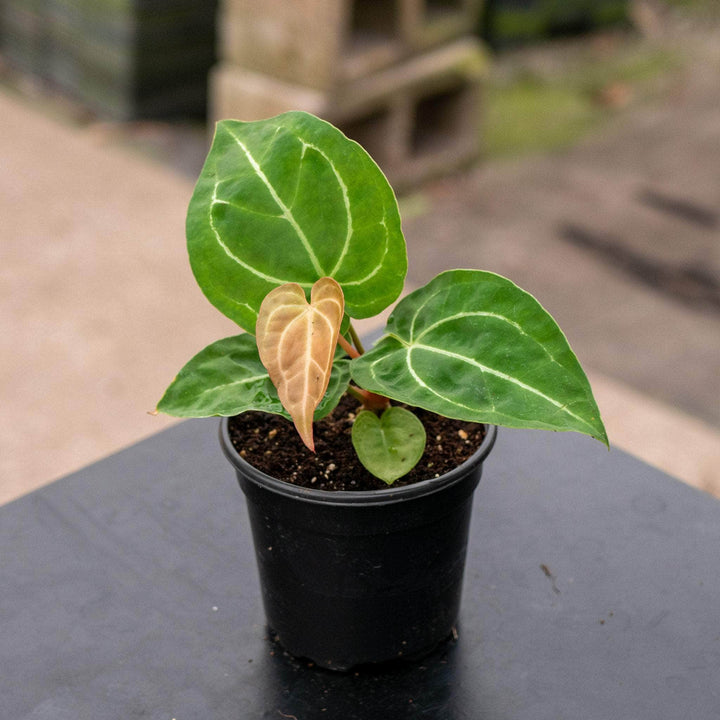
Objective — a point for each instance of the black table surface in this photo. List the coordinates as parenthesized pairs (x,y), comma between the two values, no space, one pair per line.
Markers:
(592,591)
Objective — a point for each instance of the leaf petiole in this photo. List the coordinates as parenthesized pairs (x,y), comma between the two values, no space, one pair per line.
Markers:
(347,347)
(356,339)
(353,352)
(370,400)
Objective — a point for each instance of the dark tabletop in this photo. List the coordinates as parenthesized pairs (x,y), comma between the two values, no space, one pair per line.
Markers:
(128,590)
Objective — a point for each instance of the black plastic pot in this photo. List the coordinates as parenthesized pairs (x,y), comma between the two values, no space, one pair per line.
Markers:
(360,577)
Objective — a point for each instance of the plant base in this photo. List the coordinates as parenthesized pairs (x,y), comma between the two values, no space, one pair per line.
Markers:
(351,578)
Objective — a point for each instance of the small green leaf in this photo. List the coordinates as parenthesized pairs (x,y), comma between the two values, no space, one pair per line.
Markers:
(291,199)
(472,345)
(227,378)
(388,446)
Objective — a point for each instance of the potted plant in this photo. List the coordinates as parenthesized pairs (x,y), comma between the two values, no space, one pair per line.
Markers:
(293,232)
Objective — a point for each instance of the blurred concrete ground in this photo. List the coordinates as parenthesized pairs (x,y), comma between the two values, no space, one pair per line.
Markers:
(618,237)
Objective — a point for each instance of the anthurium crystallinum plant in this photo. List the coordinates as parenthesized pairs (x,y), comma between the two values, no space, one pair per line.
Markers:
(293,232)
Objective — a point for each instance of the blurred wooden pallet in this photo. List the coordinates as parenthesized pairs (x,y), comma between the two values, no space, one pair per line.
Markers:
(401,77)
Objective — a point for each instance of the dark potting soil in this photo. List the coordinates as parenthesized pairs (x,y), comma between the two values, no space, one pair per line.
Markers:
(271,444)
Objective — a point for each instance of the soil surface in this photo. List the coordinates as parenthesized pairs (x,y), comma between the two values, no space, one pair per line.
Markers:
(271,444)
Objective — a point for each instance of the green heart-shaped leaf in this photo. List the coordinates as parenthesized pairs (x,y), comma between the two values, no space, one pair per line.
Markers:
(388,446)
(473,346)
(291,199)
(227,378)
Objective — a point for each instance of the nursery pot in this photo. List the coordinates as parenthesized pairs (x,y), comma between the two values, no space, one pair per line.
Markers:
(350,578)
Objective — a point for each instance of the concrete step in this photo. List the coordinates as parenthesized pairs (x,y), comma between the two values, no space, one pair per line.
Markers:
(418,118)
(322,44)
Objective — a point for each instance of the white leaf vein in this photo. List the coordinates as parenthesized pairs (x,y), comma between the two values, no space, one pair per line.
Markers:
(230,253)
(346,204)
(491,371)
(245,208)
(378,267)
(286,212)
(223,386)
(482,313)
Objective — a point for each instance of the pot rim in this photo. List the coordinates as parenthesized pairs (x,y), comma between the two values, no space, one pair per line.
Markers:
(383,496)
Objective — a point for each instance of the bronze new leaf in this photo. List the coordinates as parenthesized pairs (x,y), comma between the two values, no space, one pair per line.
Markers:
(296,341)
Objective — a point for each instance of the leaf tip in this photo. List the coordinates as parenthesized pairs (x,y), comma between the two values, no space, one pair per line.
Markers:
(306,435)
(600,433)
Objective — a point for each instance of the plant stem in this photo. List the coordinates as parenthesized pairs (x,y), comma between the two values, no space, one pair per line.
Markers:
(370,400)
(356,339)
(347,347)
(356,393)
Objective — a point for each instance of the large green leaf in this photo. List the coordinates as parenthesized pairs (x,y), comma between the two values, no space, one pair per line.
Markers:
(474,346)
(291,199)
(227,378)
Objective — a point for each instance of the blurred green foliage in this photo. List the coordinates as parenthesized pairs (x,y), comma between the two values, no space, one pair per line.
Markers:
(510,22)
(533,112)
